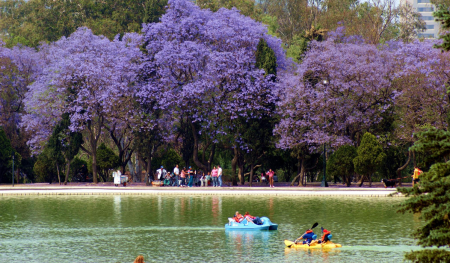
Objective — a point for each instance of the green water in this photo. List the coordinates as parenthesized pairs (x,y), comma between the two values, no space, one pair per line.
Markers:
(191,229)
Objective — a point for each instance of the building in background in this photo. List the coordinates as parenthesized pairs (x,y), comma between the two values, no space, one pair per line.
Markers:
(426,9)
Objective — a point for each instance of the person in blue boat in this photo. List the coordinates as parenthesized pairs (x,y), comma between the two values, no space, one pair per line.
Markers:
(308,237)
(253,219)
(238,217)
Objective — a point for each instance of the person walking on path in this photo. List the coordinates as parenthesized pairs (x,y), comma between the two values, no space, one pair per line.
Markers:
(214,174)
(176,173)
(270,174)
(219,175)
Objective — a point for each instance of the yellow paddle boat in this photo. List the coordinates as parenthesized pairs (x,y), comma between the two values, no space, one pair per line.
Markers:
(326,245)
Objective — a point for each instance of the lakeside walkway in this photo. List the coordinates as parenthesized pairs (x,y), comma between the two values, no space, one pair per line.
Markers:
(141,189)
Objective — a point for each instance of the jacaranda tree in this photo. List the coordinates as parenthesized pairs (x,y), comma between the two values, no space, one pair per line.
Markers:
(88,77)
(200,65)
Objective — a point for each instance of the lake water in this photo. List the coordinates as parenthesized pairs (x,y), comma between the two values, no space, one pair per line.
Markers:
(191,229)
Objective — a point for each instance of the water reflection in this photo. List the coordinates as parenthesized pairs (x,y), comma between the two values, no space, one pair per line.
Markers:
(242,241)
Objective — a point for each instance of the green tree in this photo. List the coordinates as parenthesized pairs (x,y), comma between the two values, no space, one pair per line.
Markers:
(5,158)
(33,21)
(64,145)
(265,58)
(442,15)
(340,164)
(106,160)
(431,199)
(370,156)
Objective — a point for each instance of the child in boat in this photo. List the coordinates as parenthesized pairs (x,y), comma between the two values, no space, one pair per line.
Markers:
(308,237)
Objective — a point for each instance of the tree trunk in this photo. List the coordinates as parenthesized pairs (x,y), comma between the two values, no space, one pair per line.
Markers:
(204,167)
(57,170)
(362,181)
(67,171)
(233,168)
(399,170)
(241,173)
(302,174)
(149,166)
(252,166)
(348,180)
(370,180)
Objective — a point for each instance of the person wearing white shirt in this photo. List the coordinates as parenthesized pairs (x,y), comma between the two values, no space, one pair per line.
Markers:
(161,173)
(219,175)
(176,172)
(116,175)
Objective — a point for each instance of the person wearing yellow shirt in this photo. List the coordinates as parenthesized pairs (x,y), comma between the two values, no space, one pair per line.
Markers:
(415,176)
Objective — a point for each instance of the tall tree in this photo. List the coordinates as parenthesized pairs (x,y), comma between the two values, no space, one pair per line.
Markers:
(431,199)
(64,144)
(340,164)
(87,77)
(370,156)
(208,73)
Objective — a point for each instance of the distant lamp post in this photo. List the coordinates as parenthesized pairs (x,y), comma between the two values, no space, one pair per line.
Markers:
(324,180)
(13,169)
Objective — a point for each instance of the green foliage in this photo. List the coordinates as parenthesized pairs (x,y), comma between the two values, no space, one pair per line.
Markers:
(394,159)
(154,9)
(78,170)
(443,15)
(168,159)
(106,160)
(44,167)
(272,24)
(33,21)
(370,155)
(431,199)
(340,163)
(429,256)
(265,58)
(5,158)
(434,144)
(297,48)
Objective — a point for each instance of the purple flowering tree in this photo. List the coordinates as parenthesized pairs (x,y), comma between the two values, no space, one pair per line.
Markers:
(89,77)
(340,90)
(200,65)
(422,74)
(19,66)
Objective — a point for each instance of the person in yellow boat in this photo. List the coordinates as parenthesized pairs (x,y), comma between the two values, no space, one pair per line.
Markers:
(325,237)
(415,176)
(308,237)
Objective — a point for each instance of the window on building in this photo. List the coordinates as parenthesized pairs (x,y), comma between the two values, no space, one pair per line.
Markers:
(426,35)
(423,1)
(430,26)
(427,17)
(425,9)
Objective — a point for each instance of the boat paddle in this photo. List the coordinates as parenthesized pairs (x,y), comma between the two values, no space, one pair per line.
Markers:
(290,243)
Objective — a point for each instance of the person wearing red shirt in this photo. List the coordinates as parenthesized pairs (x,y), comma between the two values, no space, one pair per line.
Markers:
(238,217)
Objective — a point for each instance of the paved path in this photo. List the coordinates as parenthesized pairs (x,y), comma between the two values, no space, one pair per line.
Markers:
(45,189)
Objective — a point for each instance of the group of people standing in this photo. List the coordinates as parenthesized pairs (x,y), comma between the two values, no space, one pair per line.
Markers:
(187,177)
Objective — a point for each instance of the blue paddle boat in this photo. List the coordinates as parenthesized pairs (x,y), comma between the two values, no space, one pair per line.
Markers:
(249,225)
